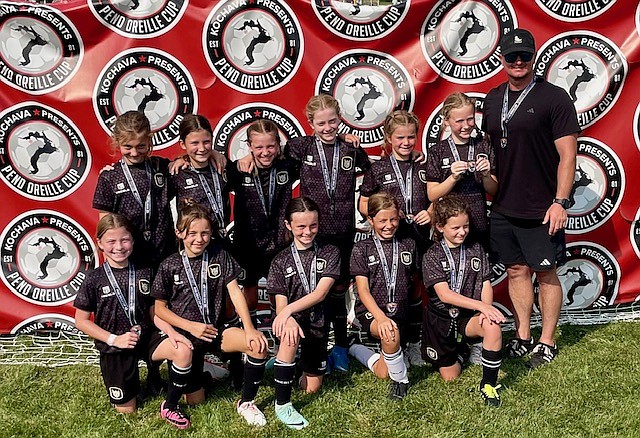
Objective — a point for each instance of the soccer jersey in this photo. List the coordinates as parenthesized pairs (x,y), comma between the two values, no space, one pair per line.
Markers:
(436,268)
(195,183)
(366,262)
(337,211)
(284,279)
(156,238)
(172,285)
(469,187)
(527,164)
(98,296)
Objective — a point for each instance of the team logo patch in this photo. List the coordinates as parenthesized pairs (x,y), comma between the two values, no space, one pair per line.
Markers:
(45,257)
(346,163)
(213,270)
(40,48)
(230,134)
(589,67)
(475,264)
(368,315)
(422,174)
(590,277)
(253,47)
(282,177)
(144,286)
(369,85)
(598,186)
(358,22)
(44,156)
(574,10)
(405,258)
(321,264)
(433,354)
(106,291)
(150,81)
(138,18)
(243,274)
(46,323)
(116,393)
(159,179)
(460,40)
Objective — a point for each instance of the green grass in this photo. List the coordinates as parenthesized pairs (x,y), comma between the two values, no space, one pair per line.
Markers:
(591,389)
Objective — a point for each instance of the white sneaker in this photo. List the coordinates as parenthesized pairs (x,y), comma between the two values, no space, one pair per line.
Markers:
(475,353)
(413,353)
(250,412)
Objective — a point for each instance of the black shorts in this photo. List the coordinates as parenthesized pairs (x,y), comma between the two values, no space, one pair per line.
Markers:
(313,355)
(255,265)
(440,332)
(344,243)
(366,319)
(525,241)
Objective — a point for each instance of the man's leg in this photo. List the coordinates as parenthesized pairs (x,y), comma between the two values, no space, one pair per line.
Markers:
(550,304)
(521,294)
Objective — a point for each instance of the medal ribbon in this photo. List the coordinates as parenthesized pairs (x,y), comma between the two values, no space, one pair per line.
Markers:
(330,181)
(266,206)
(136,194)
(309,286)
(507,113)
(454,150)
(406,186)
(201,295)
(389,276)
(457,275)
(130,306)
(216,203)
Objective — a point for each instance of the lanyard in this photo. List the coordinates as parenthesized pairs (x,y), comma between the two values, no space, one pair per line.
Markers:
(215,203)
(130,306)
(507,113)
(454,150)
(389,277)
(272,189)
(201,295)
(330,181)
(406,186)
(308,285)
(136,194)
(457,275)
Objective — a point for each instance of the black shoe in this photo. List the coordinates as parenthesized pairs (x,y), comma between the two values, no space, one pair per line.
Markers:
(542,355)
(490,395)
(398,390)
(519,347)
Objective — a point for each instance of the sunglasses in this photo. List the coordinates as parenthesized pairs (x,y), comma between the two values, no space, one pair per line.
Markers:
(524,57)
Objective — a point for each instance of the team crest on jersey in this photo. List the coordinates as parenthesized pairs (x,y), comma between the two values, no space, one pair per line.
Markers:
(387,178)
(282,177)
(254,47)
(422,174)
(144,286)
(45,257)
(433,132)
(138,18)
(346,163)
(40,48)
(46,323)
(106,292)
(433,354)
(475,264)
(574,10)
(360,22)
(151,81)
(44,156)
(369,85)
(460,40)
(598,186)
(116,393)
(159,179)
(590,68)
(230,134)
(214,270)
(590,277)
(321,264)
(405,258)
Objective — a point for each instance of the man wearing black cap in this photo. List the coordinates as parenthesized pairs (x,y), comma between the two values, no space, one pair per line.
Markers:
(533,128)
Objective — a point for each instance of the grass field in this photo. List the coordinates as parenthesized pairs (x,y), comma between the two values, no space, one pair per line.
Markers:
(591,389)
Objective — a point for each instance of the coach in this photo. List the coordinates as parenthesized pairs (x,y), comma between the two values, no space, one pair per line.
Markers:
(533,128)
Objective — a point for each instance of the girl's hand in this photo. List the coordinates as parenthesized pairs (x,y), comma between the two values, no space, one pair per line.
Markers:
(256,341)
(126,340)
(178,338)
(353,139)
(280,321)
(292,333)
(107,168)
(422,218)
(492,314)
(482,165)
(206,332)
(177,165)
(458,168)
(246,164)
(387,329)
(219,161)
(418,157)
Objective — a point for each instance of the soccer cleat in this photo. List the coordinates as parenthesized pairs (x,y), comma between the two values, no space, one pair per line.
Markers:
(397,390)
(475,353)
(340,359)
(519,347)
(490,395)
(250,412)
(290,417)
(413,353)
(175,416)
(542,355)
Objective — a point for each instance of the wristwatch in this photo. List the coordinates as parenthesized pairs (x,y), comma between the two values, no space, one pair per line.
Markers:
(563,202)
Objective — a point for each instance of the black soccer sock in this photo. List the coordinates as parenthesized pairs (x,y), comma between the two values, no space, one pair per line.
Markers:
(236,370)
(338,311)
(178,379)
(253,374)
(415,321)
(491,361)
(283,374)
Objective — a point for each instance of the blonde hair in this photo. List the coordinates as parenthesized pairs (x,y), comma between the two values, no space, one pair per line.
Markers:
(400,118)
(455,101)
(111,221)
(190,211)
(130,125)
(381,201)
(319,103)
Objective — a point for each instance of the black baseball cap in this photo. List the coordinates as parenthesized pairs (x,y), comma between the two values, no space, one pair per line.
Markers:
(518,40)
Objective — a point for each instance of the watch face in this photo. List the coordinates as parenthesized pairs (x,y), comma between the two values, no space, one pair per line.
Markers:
(564,202)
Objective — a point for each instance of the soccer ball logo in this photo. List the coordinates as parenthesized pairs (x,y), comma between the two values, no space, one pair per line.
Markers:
(29,45)
(47,258)
(364,97)
(139,8)
(469,32)
(578,74)
(149,92)
(40,151)
(254,42)
(587,189)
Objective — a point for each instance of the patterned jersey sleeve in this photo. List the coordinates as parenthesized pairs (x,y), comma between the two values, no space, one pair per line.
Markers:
(362,160)
(368,186)
(233,175)
(358,262)
(103,197)
(85,299)
(294,149)
(161,288)
(276,282)
(232,268)
(332,255)
(433,165)
(432,271)
(486,267)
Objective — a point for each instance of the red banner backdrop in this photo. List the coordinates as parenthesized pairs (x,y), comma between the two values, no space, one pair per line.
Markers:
(70,67)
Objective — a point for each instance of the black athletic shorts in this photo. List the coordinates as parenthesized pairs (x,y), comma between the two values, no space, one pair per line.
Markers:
(344,243)
(440,333)
(313,355)
(526,241)
(366,319)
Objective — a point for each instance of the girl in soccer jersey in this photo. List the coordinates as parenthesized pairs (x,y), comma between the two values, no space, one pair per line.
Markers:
(403,177)
(261,197)
(463,164)
(117,294)
(300,278)
(191,290)
(383,266)
(457,276)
